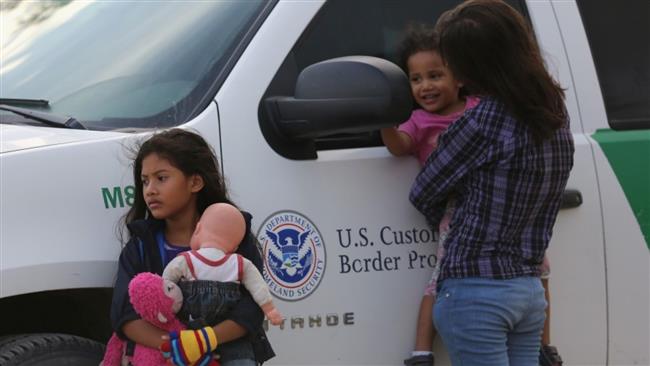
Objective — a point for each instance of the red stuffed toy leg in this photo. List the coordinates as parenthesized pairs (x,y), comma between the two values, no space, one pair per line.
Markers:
(114,352)
(145,356)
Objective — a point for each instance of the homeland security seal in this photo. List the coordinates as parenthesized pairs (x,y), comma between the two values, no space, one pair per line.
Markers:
(294,255)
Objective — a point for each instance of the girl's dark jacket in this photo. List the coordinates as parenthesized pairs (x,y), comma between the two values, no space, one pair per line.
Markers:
(141,254)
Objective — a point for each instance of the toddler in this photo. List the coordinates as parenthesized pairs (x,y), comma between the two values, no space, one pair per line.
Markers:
(438,96)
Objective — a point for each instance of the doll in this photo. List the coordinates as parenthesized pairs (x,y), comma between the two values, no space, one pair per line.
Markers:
(213,260)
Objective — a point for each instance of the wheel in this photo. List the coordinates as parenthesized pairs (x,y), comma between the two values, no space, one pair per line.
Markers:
(4,340)
(50,350)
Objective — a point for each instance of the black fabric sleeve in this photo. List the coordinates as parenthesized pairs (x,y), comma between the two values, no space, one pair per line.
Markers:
(247,313)
(128,266)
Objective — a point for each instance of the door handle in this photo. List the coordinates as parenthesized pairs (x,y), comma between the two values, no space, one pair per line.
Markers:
(571,198)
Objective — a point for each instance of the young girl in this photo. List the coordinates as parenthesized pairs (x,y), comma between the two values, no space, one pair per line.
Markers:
(507,161)
(176,177)
(436,92)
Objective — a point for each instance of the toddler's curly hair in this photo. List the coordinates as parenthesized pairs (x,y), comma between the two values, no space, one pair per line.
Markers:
(417,37)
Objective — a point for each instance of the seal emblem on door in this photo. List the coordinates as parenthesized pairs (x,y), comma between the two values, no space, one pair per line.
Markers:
(294,255)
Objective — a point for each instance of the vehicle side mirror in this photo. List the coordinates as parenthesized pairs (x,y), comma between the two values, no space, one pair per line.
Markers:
(343,95)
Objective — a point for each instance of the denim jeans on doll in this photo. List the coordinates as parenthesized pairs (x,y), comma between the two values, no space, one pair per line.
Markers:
(207,303)
(491,322)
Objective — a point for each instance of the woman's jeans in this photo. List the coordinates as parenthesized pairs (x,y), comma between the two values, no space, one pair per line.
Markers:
(491,322)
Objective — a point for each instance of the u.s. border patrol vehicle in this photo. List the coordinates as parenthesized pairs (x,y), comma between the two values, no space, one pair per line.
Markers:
(290,94)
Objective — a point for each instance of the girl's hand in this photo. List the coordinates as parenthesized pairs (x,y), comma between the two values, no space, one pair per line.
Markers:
(188,347)
(434,142)
(398,143)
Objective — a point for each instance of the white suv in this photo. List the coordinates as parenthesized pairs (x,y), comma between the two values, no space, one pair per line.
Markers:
(291,94)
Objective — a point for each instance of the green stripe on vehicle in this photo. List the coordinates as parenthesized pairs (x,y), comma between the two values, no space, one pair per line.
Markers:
(628,152)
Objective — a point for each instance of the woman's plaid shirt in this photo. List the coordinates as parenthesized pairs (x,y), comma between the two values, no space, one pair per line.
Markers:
(507,189)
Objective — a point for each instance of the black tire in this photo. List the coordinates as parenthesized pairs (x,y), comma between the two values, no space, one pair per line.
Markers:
(4,340)
(50,350)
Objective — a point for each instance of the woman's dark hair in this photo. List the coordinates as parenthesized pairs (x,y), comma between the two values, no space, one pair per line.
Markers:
(491,48)
(418,37)
(188,152)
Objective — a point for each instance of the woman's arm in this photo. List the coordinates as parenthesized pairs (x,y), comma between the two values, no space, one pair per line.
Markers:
(399,143)
(229,330)
(143,333)
(460,150)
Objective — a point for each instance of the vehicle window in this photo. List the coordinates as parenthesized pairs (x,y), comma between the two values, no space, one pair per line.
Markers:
(117,64)
(360,27)
(619,36)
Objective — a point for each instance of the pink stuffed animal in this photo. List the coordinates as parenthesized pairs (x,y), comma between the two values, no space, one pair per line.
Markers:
(157,301)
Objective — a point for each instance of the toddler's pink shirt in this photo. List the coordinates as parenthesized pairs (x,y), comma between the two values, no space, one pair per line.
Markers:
(424,128)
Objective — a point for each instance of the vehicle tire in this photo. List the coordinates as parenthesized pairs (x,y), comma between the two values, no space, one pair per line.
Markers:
(50,350)
(4,340)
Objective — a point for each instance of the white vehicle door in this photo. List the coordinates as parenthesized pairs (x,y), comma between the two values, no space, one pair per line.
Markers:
(373,252)
(610,60)
(354,255)
(576,251)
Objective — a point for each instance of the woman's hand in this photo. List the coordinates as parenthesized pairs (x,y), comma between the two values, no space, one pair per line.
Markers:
(143,333)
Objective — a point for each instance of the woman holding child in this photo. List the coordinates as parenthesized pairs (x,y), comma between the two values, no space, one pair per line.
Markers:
(506,162)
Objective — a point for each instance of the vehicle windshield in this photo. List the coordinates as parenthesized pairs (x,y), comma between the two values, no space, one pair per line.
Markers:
(119,64)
